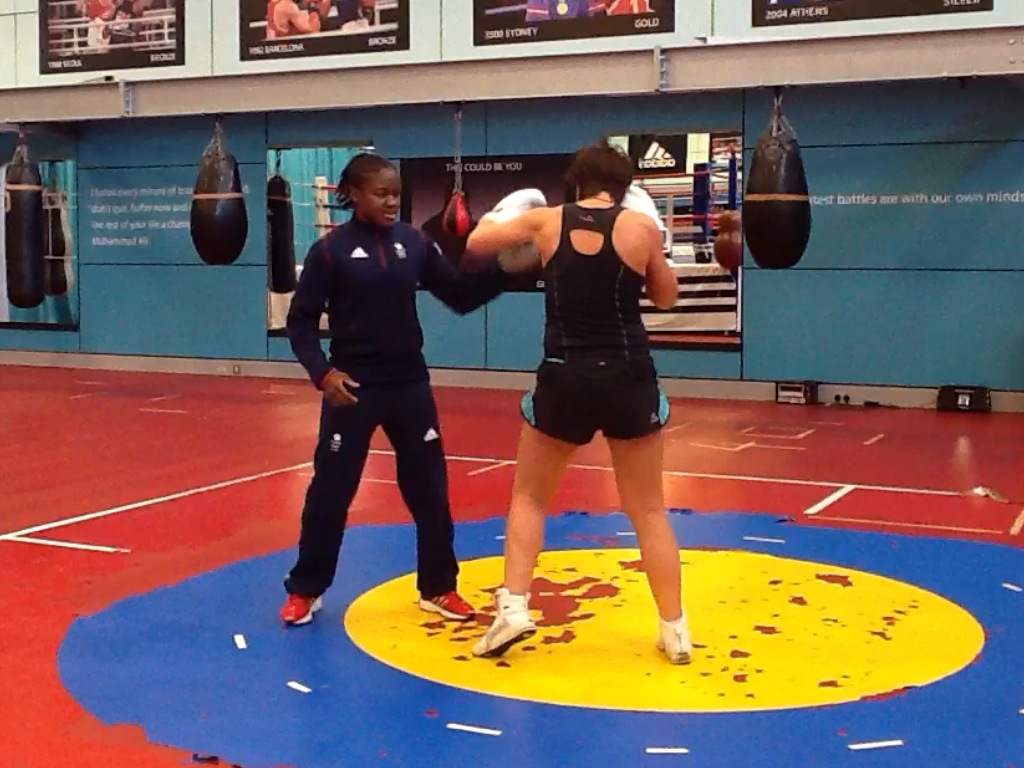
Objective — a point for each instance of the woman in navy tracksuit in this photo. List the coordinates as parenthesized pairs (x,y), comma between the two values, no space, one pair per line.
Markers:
(365,274)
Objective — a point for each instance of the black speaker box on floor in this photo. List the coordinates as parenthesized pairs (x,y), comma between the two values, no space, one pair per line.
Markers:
(960,398)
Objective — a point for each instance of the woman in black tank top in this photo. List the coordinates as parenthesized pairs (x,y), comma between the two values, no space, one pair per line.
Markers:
(597,375)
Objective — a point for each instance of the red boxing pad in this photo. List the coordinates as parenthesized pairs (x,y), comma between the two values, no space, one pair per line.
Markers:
(456,219)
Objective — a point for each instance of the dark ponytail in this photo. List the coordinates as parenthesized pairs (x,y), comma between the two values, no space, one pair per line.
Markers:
(355,173)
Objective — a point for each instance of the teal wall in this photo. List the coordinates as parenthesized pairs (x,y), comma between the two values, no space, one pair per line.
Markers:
(900,293)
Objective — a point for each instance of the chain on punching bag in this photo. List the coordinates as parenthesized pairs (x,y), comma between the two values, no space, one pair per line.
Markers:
(219,221)
(456,219)
(24,230)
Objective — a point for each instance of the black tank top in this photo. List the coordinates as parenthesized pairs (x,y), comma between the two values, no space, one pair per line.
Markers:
(592,302)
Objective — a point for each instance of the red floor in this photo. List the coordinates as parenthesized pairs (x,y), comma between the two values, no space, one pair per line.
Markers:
(137,454)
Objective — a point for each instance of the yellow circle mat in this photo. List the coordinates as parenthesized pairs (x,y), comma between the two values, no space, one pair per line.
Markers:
(769,632)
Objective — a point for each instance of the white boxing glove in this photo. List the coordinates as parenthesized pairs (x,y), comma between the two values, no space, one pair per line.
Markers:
(520,258)
(638,200)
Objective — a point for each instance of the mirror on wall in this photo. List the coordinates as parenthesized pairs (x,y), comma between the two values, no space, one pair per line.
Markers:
(693,177)
(301,208)
(38,226)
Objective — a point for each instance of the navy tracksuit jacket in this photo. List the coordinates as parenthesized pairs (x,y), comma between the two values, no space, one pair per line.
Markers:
(366,279)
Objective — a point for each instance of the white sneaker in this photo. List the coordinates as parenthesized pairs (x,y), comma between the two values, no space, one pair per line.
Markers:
(674,640)
(512,625)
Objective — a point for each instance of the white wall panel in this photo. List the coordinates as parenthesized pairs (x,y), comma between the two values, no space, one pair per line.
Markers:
(8,43)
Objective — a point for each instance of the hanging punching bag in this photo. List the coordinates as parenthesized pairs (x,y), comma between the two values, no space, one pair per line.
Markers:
(219,222)
(57,276)
(777,206)
(280,235)
(24,231)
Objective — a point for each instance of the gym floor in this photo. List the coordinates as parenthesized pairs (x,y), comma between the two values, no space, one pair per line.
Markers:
(852,600)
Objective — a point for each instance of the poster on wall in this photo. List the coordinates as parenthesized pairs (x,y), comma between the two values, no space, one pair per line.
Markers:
(427,185)
(291,29)
(502,22)
(103,35)
(769,13)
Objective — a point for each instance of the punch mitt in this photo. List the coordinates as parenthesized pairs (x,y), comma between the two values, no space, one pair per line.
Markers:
(637,199)
(776,206)
(521,258)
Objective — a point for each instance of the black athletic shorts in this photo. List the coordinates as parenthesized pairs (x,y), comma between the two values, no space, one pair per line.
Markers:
(573,401)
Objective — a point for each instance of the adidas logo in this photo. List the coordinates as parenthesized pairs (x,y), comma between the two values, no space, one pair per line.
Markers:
(431,435)
(359,253)
(656,157)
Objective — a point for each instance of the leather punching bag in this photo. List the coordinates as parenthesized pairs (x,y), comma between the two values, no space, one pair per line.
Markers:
(219,222)
(777,206)
(280,235)
(24,231)
(57,273)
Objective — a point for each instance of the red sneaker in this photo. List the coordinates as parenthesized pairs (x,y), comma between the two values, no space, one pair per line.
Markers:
(450,605)
(299,610)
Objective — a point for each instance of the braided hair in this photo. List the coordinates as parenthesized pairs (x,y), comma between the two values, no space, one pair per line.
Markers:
(355,173)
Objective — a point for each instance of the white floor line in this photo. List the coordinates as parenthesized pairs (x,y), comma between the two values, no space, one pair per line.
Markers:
(1018,524)
(829,500)
(1011,587)
(873,440)
(84,395)
(161,410)
(677,427)
(147,502)
(876,744)
(735,448)
(898,524)
(842,488)
(241,643)
(65,544)
(490,468)
(473,729)
(764,540)
(667,751)
(162,398)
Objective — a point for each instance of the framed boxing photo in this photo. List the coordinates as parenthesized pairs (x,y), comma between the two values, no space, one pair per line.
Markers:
(505,22)
(289,29)
(103,35)
(771,13)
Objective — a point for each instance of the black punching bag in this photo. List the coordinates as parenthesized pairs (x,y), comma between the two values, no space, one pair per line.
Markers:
(24,231)
(220,222)
(777,206)
(280,235)
(57,272)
